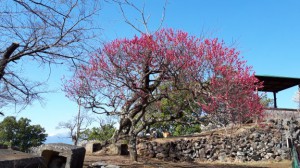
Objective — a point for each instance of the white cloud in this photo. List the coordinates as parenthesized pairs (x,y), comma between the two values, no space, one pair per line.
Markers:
(59,132)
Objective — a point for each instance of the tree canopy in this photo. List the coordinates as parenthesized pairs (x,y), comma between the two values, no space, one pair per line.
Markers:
(102,133)
(125,78)
(19,133)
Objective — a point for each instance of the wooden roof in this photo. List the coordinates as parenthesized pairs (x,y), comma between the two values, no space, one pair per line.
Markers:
(277,83)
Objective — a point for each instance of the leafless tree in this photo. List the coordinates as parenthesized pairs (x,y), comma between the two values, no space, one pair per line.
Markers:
(77,125)
(296,99)
(41,32)
(105,120)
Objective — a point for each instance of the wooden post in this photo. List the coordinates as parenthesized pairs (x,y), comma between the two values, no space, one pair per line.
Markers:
(275,100)
(298,96)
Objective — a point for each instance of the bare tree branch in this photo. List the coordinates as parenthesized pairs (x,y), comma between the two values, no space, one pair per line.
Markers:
(46,32)
(144,20)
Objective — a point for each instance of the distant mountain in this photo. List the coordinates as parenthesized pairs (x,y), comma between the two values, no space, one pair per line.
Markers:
(60,138)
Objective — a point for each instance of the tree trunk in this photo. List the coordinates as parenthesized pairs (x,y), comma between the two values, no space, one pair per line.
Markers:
(78,124)
(4,60)
(74,140)
(132,148)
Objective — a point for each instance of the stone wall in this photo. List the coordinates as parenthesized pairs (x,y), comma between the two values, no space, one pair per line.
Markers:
(269,141)
(282,113)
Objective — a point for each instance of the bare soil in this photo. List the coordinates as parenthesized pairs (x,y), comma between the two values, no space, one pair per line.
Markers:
(125,162)
(229,131)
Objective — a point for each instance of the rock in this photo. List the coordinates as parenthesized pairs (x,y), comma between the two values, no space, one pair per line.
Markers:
(166,146)
(269,155)
(154,143)
(113,149)
(239,153)
(151,154)
(240,159)
(142,145)
(159,149)
(161,155)
(186,159)
(271,144)
(286,123)
(278,145)
(260,145)
(271,121)
(269,150)
(213,158)
(174,156)
(222,157)
(278,158)
(97,165)
(208,152)
(111,166)
(187,151)
(243,145)
(62,154)
(201,153)
(256,157)
(252,129)
(15,159)
(92,147)
(178,147)
(285,156)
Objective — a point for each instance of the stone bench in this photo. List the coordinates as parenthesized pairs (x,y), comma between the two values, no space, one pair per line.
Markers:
(11,158)
(58,155)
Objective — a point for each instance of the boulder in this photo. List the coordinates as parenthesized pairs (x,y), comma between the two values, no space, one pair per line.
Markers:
(15,159)
(58,155)
(92,147)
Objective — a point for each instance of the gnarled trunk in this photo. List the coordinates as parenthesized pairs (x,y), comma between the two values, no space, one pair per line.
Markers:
(132,148)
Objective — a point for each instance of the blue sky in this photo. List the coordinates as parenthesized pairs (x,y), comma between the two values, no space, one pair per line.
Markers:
(267,33)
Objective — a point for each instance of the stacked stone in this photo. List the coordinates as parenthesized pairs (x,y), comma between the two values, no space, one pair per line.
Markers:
(255,144)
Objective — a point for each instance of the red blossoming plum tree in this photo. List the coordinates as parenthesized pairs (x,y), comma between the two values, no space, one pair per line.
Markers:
(126,78)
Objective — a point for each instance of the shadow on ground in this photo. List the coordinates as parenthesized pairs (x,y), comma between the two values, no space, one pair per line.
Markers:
(124,162)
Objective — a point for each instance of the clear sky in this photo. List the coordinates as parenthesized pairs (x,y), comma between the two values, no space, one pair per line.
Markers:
(267,33)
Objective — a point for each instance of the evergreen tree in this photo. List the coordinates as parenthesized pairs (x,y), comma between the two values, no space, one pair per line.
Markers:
(19,133)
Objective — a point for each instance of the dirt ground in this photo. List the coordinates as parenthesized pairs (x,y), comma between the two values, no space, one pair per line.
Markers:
(124,162)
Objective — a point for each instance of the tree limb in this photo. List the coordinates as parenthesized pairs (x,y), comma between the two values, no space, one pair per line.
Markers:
(4,61)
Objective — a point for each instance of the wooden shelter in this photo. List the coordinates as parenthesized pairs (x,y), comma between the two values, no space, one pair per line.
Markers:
(276,84)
